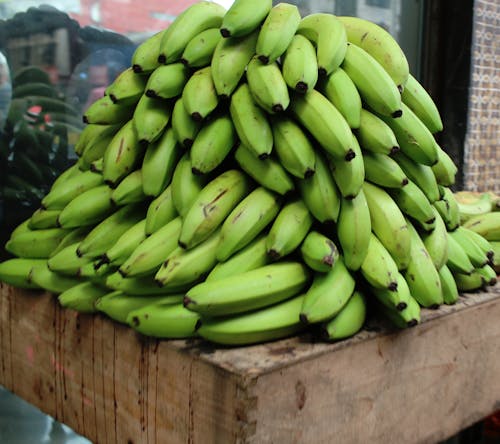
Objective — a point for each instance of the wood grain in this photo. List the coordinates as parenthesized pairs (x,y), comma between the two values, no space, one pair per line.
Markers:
(113,386)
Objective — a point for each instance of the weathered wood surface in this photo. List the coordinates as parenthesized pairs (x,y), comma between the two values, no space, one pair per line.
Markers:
(415,386)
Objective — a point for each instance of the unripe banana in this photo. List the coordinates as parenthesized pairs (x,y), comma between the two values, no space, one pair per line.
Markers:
(448,208)
(129,190)
(140,286)
(200,49)
(145,56)
(487,225)
(152,251)
(67,261)
(212,144)
(125,245)
(410,317)
(212,205)
(458,260)
(476,254)
(448,285)
(185,185)
(127,88)
(229,62)
(244,16)
(277,32)
(184,127)
(348,321)
(70,172)
(375,135)
(288,229)
(160,211)
(23,227)
(105,112)
(150,118)
(82,297)
(325,123)
(266,324)
(267,172)
(320,193)
(379,268)
(469,282)
(342,92)
(199,95)
(293,147)
(486,246)
(91,133)
(43,218)
(436,242)
(420,102)
(17,272)
(354,230)
(117,305)
(253,256)
(164,320)
(89,208)
(75,235)
(380,45)
(267,86)
(479,204)
(35,244)
(488,273)
(250,122)
(383,170)
(167,81)
(51,281)
(299,64)
(247,220)
(329,36)
(190,22)
(319,252)
(159,162)
(445,169)
(95,150)
(398,299)
(186,267)
(247,291)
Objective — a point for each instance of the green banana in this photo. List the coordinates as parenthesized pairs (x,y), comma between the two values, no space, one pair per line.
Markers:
(495,255)
(117,305)
(267,86)
(123,154)
(200,49)
(43,218)
(250,122)
(420,102)
(185,185)
(375,135)
(186,267)
(247,220)
(140,286)
(289,229)
(342,92)
(267,172)
(95,150)
(167,82)
(247,291)
(159,162)
(164,320)
(328,294)
(398,299)
(413,137)
(68,173)
(374,84)
(125,245)
(486,246)
(476,254)
(212,144)
(160,211)
(145,56)
(319,252)
(320,193)
(445,169)
(383,170)
(410,317)
(189,23)
(212,205)
(379,268)
(469,282)
(267,324)
(50,281)
(447,207)
(480,204)
(199,95)
(152,251)
(229,62)
(325,123)
(244,16)
(88,208)
(127,88)
(74,235)
(82,297)
(299,65)
(328,34)
(354,230)
(105,112)
(67,261)
(458,260)
(348,321)
(448,285)
(436,242)
(35,244)
(150,118)
(129,190)
(293,148)
(184,127)
(380,44)
(277,32)
(488,273)
(388,224)
(250,257)
(487,225)
(17,272)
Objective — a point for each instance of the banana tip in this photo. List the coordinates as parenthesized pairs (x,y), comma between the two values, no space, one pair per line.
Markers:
(187,301)
(196,116)
(309,173)
(224,32)
(393,286)
(303,318)
(151,93)
(397,113)
(264,59)
(401,306)
(301,87)
(395,149)
(412,323)
(349,155)
(137,68)
(162,58)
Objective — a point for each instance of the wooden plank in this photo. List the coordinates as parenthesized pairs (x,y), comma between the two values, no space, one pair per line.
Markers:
(112,385)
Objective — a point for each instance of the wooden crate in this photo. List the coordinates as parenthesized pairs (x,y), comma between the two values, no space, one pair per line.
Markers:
(419,385)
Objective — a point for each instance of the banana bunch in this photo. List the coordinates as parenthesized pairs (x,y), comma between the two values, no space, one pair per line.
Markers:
(255,174)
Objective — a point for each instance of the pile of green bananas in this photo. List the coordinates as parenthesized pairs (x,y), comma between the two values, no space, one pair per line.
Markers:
(251,175)
(35,140)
